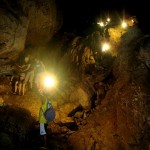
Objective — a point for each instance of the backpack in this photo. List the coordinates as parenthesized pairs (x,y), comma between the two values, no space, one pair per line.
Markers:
(49,114)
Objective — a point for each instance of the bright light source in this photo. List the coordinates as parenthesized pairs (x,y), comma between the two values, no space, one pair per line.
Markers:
(101,24)
(49,81)
(108,19)
(124,24)
(105,47)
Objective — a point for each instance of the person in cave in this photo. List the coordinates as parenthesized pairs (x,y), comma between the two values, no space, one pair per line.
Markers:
(39,70)
(42,120)
(94,97)
(21,84)
(14,82)
(100,89)
(28,69)
(90,66)
(17,82)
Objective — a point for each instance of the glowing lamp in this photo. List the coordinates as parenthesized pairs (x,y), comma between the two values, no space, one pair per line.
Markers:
(108,19)
(124,24)
(105,47)
(101,24)
(49,81)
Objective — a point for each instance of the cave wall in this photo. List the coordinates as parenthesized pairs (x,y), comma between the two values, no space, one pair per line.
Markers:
(26,22)
(121,121)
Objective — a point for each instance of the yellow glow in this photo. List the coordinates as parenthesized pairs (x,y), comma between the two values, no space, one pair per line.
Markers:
(124,24)
(105,47)
(101,24)
(108,19)
(49,81)
(132,20)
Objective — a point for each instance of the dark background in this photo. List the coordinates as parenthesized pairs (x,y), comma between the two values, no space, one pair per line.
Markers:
(81,16)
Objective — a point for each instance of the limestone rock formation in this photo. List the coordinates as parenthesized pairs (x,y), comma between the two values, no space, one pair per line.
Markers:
(44,21)
(121,121)
(12,36)
(25,22)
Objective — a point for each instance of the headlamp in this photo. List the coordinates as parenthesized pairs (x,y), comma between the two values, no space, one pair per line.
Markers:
(49,81)
(105,47)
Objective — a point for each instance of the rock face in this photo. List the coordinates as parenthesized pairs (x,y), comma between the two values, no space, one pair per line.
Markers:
(12,36)
(16,123)
(43,21)
(25,22)
(121,121)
